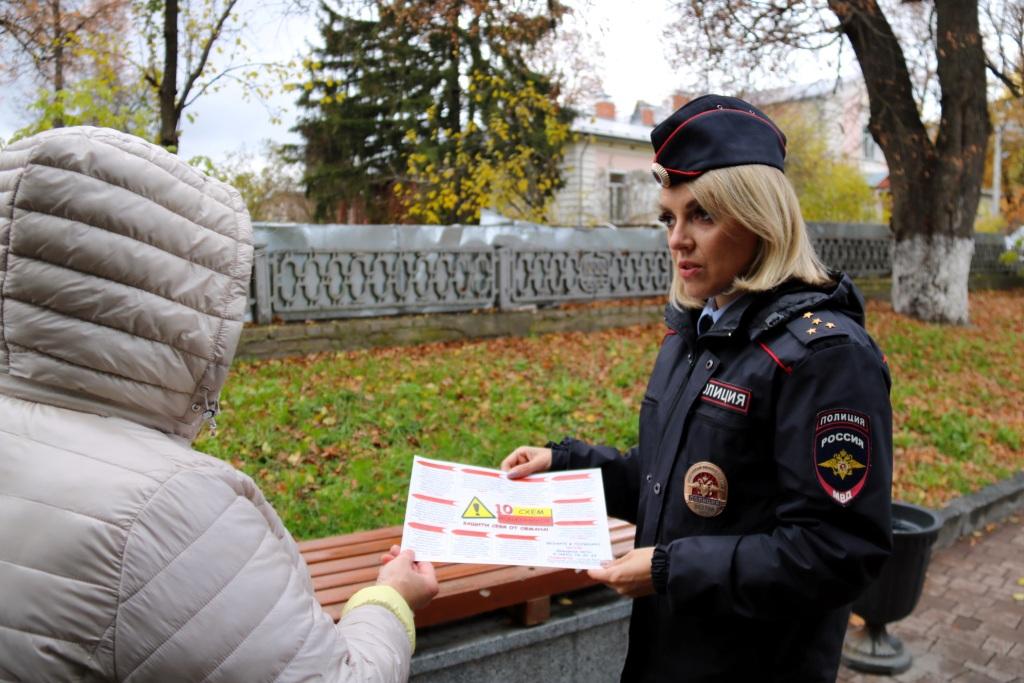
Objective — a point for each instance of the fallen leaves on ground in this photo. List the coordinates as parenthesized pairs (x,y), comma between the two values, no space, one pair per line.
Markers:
(329,437)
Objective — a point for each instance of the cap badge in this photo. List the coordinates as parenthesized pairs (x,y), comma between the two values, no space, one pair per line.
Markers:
(705,489)
(660,174)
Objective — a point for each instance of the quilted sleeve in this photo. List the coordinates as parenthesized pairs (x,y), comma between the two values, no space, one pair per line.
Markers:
(214,589)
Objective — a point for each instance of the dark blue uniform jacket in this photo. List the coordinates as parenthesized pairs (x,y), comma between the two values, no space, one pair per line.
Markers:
(781,415)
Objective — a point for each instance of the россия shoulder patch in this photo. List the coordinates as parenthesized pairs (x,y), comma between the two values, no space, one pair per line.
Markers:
(842,453)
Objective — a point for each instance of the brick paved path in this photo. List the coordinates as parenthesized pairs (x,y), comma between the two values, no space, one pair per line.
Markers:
(967,627)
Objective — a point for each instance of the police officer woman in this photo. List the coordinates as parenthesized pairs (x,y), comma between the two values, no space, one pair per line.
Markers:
(760,487)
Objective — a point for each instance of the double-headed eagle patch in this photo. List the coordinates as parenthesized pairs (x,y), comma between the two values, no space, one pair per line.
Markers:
(705,489)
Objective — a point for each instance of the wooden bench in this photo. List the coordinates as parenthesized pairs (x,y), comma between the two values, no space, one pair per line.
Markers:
(341,565)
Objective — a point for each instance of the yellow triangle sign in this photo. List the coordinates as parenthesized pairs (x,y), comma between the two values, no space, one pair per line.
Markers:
(477,510)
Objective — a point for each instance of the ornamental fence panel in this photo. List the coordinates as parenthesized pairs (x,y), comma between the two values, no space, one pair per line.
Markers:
(988,249)
(339,284)
(540,277)
(314,272)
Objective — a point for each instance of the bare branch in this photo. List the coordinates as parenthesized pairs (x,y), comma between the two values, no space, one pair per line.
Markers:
(1010,84)
(194,74)
(228,73)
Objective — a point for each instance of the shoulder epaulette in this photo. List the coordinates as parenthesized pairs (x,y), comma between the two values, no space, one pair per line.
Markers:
(810,326)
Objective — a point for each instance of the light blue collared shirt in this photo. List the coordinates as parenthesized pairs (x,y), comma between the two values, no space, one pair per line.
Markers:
(710,309)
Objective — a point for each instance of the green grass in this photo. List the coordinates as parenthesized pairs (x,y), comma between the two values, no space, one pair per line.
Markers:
(330,438)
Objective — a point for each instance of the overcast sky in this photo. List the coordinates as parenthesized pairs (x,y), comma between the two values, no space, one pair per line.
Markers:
(635,67)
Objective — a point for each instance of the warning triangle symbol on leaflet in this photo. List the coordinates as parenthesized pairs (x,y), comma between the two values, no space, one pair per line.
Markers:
(477,510)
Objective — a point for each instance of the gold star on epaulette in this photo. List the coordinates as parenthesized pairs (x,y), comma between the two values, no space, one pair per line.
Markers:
(816,321)
(811,330)
(830,325)
(808,314)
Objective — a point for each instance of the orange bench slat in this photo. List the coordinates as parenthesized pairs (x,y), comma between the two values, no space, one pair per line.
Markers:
(342,565)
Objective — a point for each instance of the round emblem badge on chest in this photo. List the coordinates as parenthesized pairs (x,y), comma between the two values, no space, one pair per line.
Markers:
(706,490)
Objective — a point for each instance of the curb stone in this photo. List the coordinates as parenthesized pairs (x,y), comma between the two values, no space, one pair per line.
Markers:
(969,513)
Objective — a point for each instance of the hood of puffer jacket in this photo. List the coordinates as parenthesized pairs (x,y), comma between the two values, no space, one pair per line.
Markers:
(124,277)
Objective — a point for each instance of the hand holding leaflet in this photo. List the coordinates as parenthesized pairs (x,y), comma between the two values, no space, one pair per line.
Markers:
(464,513)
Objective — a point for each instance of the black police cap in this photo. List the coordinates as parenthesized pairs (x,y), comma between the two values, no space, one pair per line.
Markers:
(714,132)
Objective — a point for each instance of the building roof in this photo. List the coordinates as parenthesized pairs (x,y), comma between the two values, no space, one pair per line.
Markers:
(877,179)
(801,91)
(619,130)
(632,130)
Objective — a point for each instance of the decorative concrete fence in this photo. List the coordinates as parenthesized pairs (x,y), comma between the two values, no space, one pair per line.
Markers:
(311,272)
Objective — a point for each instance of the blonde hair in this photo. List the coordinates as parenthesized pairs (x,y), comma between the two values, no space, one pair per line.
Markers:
(760,199)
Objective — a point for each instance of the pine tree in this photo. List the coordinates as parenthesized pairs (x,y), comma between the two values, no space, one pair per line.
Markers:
(369,88)
(432,103)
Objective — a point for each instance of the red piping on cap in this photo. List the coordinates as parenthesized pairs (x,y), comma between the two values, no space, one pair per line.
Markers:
(714,111)
(672,170)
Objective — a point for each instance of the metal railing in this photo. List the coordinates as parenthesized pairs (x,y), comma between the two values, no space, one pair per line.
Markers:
(309,272)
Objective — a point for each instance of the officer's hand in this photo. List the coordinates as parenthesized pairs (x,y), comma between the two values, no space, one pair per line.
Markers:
(526,460)
(415,581)
(630,575)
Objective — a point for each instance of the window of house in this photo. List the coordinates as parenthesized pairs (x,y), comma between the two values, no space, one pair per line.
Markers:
(618,198)
(869,149)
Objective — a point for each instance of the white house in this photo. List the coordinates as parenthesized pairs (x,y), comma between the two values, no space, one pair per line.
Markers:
(841,108)
(607,169)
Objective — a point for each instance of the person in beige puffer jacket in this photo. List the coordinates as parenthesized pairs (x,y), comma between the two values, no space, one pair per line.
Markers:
(124,554)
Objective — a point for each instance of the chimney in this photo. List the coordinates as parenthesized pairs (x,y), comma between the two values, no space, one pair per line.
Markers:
(605,109)
(679,99)
(643,114)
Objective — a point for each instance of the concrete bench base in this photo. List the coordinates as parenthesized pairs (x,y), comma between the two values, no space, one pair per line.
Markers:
(584,642)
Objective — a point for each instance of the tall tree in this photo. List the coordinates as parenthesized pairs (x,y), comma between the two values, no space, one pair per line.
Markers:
(192,47)
(179,32)
(366,96)
(510,162)
(935,179)
(1003,25)
(424,98)
(571,56)
(74,54)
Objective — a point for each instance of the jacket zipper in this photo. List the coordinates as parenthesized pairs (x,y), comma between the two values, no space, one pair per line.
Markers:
(210,411)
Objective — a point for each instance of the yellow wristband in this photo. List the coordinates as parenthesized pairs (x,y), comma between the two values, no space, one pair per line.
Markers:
(387,597)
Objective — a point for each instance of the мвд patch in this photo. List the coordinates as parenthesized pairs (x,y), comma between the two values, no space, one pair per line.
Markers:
(842,453)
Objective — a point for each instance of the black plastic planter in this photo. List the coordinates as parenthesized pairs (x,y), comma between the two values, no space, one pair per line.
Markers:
(894,594)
